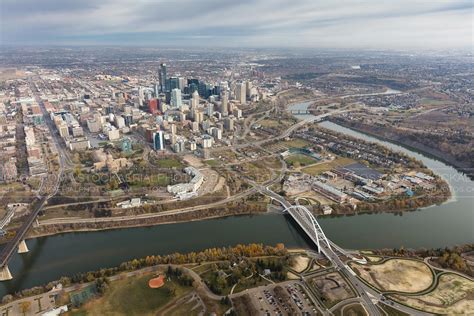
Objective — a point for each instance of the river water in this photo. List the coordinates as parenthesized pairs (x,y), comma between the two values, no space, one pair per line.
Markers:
(438,226)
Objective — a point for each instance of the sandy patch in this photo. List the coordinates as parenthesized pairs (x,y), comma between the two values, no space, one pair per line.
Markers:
(401,275)
(453,295)
(300,263)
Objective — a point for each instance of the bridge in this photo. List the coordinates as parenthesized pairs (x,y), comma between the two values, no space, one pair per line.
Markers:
(299,112)
(308,223)
(19,240)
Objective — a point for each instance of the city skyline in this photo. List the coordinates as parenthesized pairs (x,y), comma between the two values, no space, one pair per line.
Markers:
(299,24)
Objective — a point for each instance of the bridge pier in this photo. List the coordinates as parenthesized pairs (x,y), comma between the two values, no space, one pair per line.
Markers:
(22,247)
(5,274)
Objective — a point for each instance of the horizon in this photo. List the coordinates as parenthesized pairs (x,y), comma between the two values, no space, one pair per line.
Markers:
(405,26)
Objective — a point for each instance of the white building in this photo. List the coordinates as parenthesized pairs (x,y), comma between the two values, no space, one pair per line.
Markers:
(176,98)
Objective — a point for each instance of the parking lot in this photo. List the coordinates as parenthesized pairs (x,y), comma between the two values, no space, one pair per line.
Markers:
(288,298)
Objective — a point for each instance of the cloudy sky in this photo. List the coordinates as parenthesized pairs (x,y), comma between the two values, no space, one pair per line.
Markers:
(387,24)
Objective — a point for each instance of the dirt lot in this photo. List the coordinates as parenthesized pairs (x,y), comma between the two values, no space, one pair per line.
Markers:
(401,275)
(453,295)
(332,287)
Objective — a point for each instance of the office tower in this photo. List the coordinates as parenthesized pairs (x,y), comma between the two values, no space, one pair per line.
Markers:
(198,116)
(153,106)
(224,104)
(112,94)
(240,92)
(217,133)
(195,100)
(174,83)
(162,77)
(158,141)
(210,109)
(193,87)
(229,124)
(195,127)
(119,121)
(249,89)
(176,98)
(182,83)
(141,96)
(156,90)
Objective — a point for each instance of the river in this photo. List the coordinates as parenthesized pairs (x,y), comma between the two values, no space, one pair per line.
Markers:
(438,226)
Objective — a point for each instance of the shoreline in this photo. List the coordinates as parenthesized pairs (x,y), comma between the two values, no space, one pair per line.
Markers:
(127,226)
(430,153)
(126,222)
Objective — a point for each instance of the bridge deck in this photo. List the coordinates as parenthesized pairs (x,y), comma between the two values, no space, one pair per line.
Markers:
(10,247)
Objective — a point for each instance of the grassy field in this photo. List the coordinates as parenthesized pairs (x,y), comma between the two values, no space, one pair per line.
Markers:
(453,295)
(169,163)
(299,159)
(132,296)
(212,162)
(295,143)
(403,275)
(325,166)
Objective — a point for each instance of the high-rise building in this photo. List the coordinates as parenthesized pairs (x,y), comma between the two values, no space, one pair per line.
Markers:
(195,100)
(210,109)
(229,124)
(174,83)
(224,104)
(241,92)
(162,77)
(182,83)
(176,98)
(158,141)
(141,96)
(249,89)
(153,106)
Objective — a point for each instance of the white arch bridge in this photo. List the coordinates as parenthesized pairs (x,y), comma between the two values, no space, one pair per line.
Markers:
(310,225)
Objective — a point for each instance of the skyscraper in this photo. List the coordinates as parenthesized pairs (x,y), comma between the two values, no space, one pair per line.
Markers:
(158,141)
(241,92)
(162,77)
(176,98)
(224,105)
(195,100)
(174,83)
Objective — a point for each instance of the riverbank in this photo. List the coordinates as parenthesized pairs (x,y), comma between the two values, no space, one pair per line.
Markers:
(235,209)
(437,197)
(391,136)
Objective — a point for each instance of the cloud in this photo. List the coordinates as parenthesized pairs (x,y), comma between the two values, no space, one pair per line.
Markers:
(259,23)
